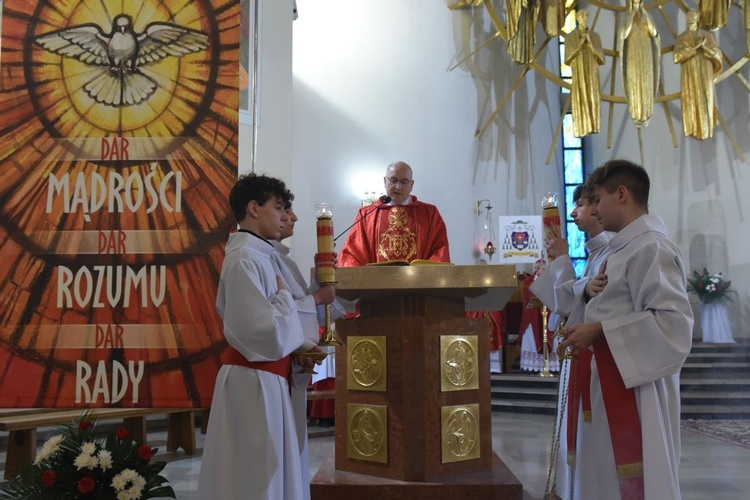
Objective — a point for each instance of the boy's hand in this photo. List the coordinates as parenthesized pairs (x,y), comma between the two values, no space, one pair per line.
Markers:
(304,361)
(324,295)
(556,247)
(596,285)
(581,336)
(280,283)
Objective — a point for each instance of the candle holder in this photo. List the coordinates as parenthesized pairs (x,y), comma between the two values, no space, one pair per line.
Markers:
(311,355)
(326,269)
(550,218)
(537,304)
(567,352)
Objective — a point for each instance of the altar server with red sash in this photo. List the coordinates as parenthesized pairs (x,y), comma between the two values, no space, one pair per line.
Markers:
(558,288)
(310,301)
(251,450)
(640,328)
(403,228)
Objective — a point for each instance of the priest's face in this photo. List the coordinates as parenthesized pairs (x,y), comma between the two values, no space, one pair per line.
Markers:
(288,229)
(582,217)
(398,182)
(606,208)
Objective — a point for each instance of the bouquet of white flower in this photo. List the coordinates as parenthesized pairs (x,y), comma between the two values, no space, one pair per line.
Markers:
(78,463)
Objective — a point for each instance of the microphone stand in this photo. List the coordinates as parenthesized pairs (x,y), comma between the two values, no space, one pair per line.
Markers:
(384,201)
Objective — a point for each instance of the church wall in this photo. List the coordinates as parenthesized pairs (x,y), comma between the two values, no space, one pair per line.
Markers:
(274,94)
(371,84)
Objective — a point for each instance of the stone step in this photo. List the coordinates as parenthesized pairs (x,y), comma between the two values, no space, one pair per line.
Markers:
(715,370)
(715,412)
(522,380)
(688,411)
(701,347)
(714,383)
(700,384)
(522,406)
(522,394)
(718,357)
(728,398)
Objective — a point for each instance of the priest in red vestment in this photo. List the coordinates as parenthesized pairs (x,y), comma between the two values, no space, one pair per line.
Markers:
(403,229)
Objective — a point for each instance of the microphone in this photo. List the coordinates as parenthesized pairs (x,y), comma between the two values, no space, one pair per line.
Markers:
(385,201)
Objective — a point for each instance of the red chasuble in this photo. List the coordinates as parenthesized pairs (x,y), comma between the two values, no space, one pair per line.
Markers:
(396,232)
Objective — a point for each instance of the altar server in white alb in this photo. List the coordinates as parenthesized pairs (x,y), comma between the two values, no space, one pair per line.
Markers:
(565,294)
(251,449)
(311,303)
(640,328)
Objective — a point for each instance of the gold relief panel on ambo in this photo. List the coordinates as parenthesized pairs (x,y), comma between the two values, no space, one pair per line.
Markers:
(459,363)
(367,427)
(459,433)
(366,363)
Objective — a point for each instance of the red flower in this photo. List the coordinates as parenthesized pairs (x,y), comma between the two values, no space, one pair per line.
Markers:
(86,485)
(145,452)
(48,478)
(122,434)
(84,424)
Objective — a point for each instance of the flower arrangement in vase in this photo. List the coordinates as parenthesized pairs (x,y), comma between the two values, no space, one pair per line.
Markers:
(80,463)
(709,287)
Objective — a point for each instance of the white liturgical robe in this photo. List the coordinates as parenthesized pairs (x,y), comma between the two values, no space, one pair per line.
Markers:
(251,449)
(310,316)
(558,288)
(647,322)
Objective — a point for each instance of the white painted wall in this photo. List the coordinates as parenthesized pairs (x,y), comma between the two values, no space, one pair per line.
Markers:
(371,84)
(275,95)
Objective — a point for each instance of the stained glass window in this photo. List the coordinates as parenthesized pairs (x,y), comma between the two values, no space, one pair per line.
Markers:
(573,170)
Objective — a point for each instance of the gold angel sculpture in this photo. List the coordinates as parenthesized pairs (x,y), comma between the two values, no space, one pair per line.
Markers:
(553,16)
(640,52)
(700,62)
(713,13)
(521,19)
(584,55)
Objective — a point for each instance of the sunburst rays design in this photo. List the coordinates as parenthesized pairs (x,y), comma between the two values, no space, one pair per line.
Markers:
(663,11)
(48,118)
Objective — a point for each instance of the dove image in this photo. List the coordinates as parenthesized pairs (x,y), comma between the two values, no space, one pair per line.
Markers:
(121,53)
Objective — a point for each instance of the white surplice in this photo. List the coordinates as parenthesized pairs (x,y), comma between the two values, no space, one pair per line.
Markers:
(559,289)
(251,450)
(648,322)
(310,317)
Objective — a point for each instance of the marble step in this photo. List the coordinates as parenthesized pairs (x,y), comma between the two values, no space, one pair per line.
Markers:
(714,412)
(718,357)
(742,345)
(523,406)
(728,370)
(701,384)
(716,398)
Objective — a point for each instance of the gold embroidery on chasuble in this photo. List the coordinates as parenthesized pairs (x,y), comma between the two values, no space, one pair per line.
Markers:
(398,241)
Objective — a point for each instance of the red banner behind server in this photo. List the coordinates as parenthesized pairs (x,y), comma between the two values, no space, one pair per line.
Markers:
(118,147)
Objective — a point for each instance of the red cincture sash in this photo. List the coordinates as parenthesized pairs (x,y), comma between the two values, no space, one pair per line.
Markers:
(624,423)
(281,367)
(579,390)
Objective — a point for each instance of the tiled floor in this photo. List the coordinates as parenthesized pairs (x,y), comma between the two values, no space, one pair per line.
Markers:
(709,469)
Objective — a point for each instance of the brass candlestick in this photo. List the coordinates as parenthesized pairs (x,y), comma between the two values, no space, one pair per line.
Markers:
(326,269)
(536,303)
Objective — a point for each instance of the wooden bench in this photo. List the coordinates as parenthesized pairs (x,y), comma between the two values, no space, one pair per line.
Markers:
(22,424)
(328,394)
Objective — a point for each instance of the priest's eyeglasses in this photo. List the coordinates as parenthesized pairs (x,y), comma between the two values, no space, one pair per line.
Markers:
(400,182)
